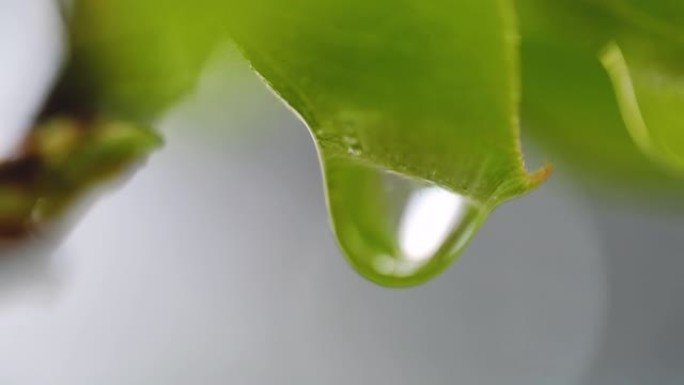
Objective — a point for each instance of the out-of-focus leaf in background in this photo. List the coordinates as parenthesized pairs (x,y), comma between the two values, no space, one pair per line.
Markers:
(131,59)
(646,64)
(573,107)
(127,62)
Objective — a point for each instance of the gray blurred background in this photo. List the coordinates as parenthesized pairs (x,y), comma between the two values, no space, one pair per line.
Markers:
(214,264)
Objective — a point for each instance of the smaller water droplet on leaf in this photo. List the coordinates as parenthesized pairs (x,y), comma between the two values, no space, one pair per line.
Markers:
(396,230)
(353,145)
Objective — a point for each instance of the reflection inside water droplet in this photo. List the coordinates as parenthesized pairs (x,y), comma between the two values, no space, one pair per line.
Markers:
(397,230)
(429,216)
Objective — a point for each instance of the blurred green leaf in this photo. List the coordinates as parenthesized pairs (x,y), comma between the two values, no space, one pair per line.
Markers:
(128,61)
(132,59)
(572,104)
(650,90)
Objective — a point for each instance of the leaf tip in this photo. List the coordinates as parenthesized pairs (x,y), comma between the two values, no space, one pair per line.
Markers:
(540,175)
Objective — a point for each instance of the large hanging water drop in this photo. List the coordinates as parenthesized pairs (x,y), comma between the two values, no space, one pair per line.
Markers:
(397,230)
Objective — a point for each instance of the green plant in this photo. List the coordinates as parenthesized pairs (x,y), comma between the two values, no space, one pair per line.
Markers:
(405,98)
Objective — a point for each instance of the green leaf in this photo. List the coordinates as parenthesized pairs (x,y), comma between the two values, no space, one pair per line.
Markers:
(650,90)
(132,59)
(644,57)
(570,105)
(427,89)
(128,60)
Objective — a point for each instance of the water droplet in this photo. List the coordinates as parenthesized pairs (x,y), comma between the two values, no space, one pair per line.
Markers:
(353,145)
(396,230)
